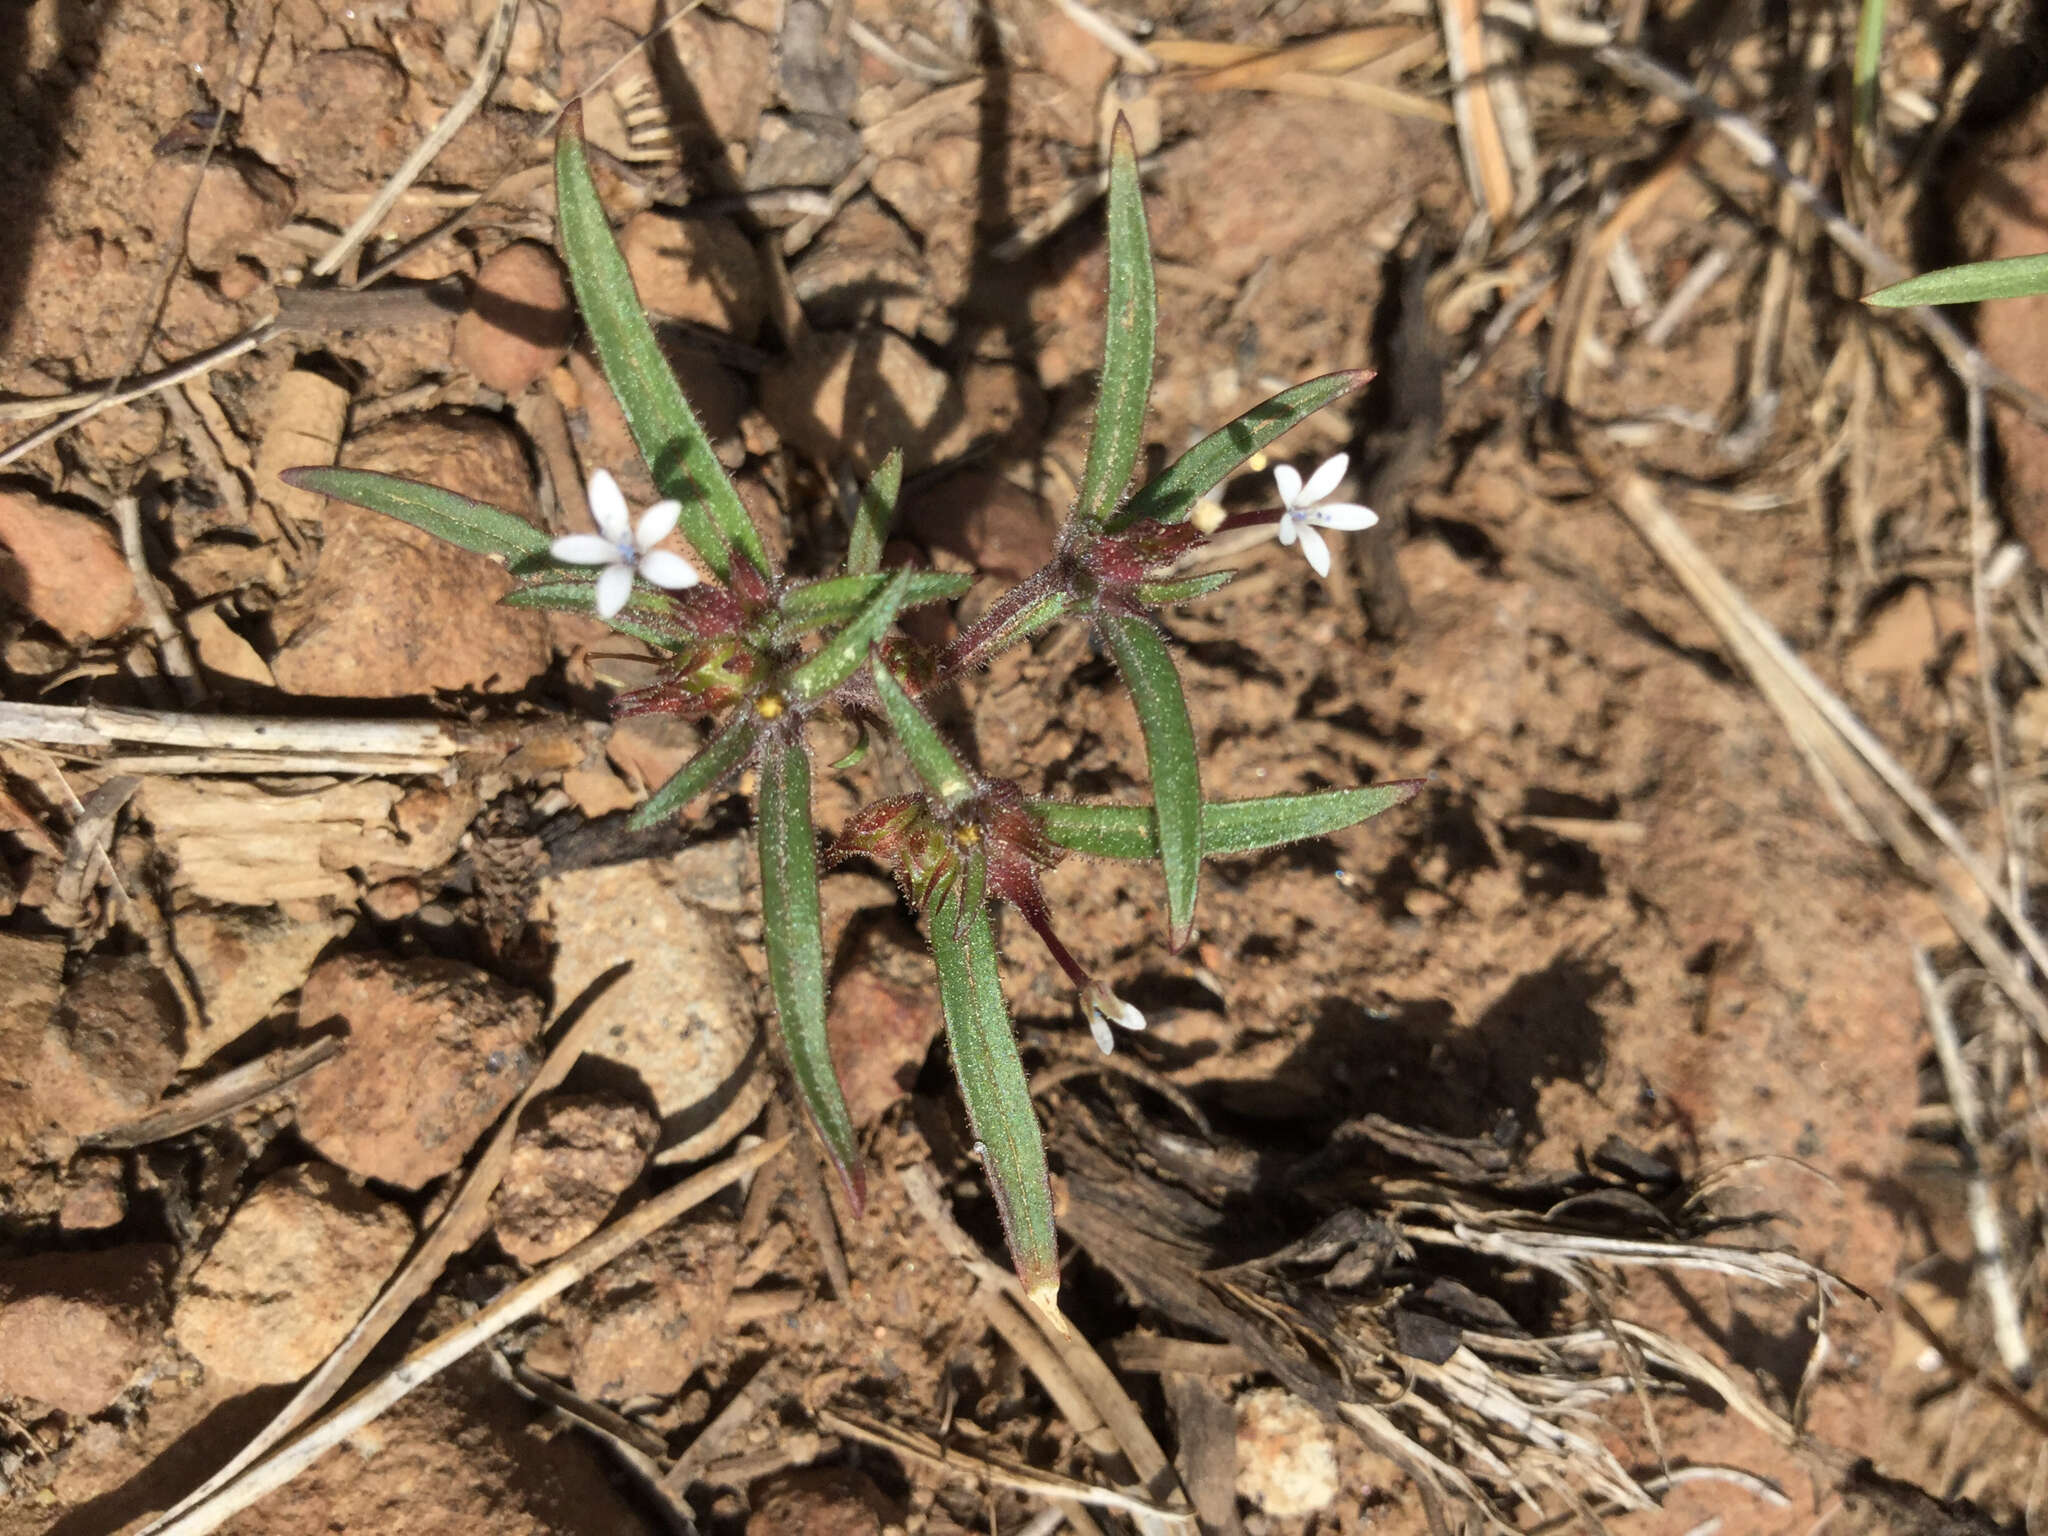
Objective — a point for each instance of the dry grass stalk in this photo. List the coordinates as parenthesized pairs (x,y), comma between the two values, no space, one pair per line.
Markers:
(237,743)
(219,1097)
(1479,137)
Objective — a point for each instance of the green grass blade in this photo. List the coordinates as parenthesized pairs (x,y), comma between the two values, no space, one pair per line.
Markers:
(2015,277)
(941,773)
(846,652)
(1148,671)
(1228,826)
(984,1050)
(702,773)
(1864,74)
(678,453)
(871,519)
(839,599)
(469,524)
(1128,330)
(794,937)
(1172,496)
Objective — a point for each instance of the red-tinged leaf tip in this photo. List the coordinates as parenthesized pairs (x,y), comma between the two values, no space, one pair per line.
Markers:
(572,119)
(854,1181)
(296,476)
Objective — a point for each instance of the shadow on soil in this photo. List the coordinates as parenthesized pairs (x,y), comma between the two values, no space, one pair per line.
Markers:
(33,111)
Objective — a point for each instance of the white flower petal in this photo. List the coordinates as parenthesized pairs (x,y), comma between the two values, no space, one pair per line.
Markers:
(608,507)
(1289,480)
(1344,516)
(665,568)
(1099,1027)
(656,524)
(584,549)
(1318,552)
(1325,479)
(1286,529)
(1131,1019)
(614,586)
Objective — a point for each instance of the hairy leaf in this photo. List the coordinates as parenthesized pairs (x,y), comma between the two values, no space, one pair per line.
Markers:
(941,773)
(846,652)
(999,1108)
(1127,340)
(1148,671)
(871,519)
(568,594)
(678,453)
(794,936)
(1160,594)
(1172,496)
(2015,277)
(838,599)
(468,524)
(702,773)
(1228,826)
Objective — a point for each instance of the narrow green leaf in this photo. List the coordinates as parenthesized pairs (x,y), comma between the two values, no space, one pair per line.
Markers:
(942,774)
(871,519)
(1127,340)
(1864,75)
(838,599)
(841,656)
(702,773)
(1161,594)
(677,452)
(469,524)
(998,1098)
(1228,826)
(570,595)
(1172,496)
(2015,277)
(1148,671)
(794,937)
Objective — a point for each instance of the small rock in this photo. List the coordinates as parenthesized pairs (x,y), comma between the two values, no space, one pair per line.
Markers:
(802,149)
(597,791)
(76,1327)
(652,748)
(240,201)
(337,118)
(111,1049)
(639,1326)
(697,269)
(682,1020)
(816,67)
(31,982)
(863,269)
(854,395)
(819,1501)
(881,1030)
(95,1194)
(519,323)
(730,71)
(574,1156)
(436,1050)
(998,528)
(1914,631)
(224,656)
(64,568)
(297,1264)
(244,961)
(1286,1461)
(392,611)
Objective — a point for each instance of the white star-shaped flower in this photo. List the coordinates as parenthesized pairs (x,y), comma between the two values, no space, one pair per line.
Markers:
(1105,1008)
(625,548)
(1301,516)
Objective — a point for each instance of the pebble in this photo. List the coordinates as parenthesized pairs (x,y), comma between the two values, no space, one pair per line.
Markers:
(1286,1461)
(519,323)
(436,1050)
(95,1194)
(64,568)
(575,1155)
(298,1263)
(863,268)
(998,528)
(818,1501)
(240,201)
(852,396)
(31,981)
(881,1031)
(76,1327)
(682,1020)
(335,117)
(244,961)
(111,1048)
(639,1326)
(702,270)
(393,612)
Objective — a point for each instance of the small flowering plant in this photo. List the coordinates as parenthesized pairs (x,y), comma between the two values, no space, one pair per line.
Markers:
(765,656)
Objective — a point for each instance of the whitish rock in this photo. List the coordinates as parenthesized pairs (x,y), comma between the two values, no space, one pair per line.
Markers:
(392,611)
(298,1263)
(519,323)
(1286,1462)
(64,568)
(76,1327)
(574,1156)
(435,1052)
(244,961)
(682,1019)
